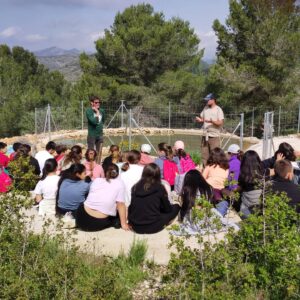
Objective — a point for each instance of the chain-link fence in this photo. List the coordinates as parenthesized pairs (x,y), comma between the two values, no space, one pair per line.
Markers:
(170,116)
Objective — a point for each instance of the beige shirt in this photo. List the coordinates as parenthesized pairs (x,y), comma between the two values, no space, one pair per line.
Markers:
(212,113)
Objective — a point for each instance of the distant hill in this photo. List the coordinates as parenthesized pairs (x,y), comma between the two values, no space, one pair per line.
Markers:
(55,51)
(64,61)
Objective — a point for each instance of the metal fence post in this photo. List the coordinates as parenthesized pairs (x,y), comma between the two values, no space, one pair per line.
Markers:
(130,127)
(35,120)
(298,130)
(122,113)
(242,131)
(279,121)
(82,115)
(252,123)
(49,121)
(169,137)
(265,150)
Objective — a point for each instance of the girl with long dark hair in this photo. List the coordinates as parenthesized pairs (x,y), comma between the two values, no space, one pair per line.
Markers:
(73,157)
(73,188)
(194,186)
(106,198)
(150,210)
(251,175)
(46,189)
(216,172)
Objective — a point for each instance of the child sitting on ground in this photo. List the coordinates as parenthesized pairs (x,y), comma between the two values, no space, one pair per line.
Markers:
(162,153)
(216,172)
(145,155)
(46,189)
(183,159)
(113,158)
(93,170)
(150,210)
(170,168)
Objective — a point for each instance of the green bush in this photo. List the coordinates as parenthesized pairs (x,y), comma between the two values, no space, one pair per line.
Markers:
(23,175)
(52,267)
(196,157)
(260,261)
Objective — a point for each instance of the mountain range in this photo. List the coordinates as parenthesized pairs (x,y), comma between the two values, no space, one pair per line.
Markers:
(55,51)
(67,61)
(64,61)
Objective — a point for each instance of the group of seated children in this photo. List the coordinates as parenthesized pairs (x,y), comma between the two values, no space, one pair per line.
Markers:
(132,190)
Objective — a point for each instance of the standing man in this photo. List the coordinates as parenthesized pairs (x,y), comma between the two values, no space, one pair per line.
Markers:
(212,118)
(96,117)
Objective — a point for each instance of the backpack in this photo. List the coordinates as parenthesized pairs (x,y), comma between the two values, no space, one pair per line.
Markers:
(186,164)
(170,170)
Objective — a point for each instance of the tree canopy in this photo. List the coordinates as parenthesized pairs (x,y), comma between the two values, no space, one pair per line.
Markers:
(24,85)
(141,45)
(258,53)
(144,59)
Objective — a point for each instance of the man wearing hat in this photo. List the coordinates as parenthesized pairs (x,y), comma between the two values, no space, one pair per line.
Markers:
(212,118)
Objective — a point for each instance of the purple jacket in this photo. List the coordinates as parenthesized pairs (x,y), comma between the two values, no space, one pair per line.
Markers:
(234,171)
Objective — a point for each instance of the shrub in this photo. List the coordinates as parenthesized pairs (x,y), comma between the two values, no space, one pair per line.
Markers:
(261,260)
(52,267)
(23,175)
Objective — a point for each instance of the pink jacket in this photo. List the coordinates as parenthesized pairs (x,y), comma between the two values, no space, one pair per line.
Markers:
(94,173)
(145,159)
(4,160)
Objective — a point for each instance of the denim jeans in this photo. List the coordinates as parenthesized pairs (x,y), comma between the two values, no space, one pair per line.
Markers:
(245,211)
(222,207)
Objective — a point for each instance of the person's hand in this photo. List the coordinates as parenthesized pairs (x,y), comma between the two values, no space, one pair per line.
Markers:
(199,120)
(280,156)
(126,226)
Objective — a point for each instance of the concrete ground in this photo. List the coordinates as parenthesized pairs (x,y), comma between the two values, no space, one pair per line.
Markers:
(114,241)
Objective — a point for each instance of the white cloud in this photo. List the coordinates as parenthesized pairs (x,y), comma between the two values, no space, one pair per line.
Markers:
(94,36)
(209,34)
(9,31)
(35,37)
(208,42)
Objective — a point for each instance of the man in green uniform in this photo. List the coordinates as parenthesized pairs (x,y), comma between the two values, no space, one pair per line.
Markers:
(96,117)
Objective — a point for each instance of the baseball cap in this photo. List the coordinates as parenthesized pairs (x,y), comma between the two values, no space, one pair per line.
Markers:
(146,148)
(209,97)
(234,149)
(179,145)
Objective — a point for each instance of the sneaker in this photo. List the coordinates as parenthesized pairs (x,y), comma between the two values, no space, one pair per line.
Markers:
(68,220)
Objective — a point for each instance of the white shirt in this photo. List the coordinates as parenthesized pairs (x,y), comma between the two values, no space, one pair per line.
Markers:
(130,178)
(48,189)
(41,157)
(215,114)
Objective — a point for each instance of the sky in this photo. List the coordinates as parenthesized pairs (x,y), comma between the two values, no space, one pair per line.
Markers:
(67,24)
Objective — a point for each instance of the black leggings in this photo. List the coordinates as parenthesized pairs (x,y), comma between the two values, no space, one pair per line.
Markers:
(164,220)
(88,223)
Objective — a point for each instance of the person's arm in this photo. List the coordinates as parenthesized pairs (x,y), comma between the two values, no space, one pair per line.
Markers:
(165,205)
(122,215)
(91,118)
(217,122)
(38,192)
(38,198)
(199,120)
(220,121)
